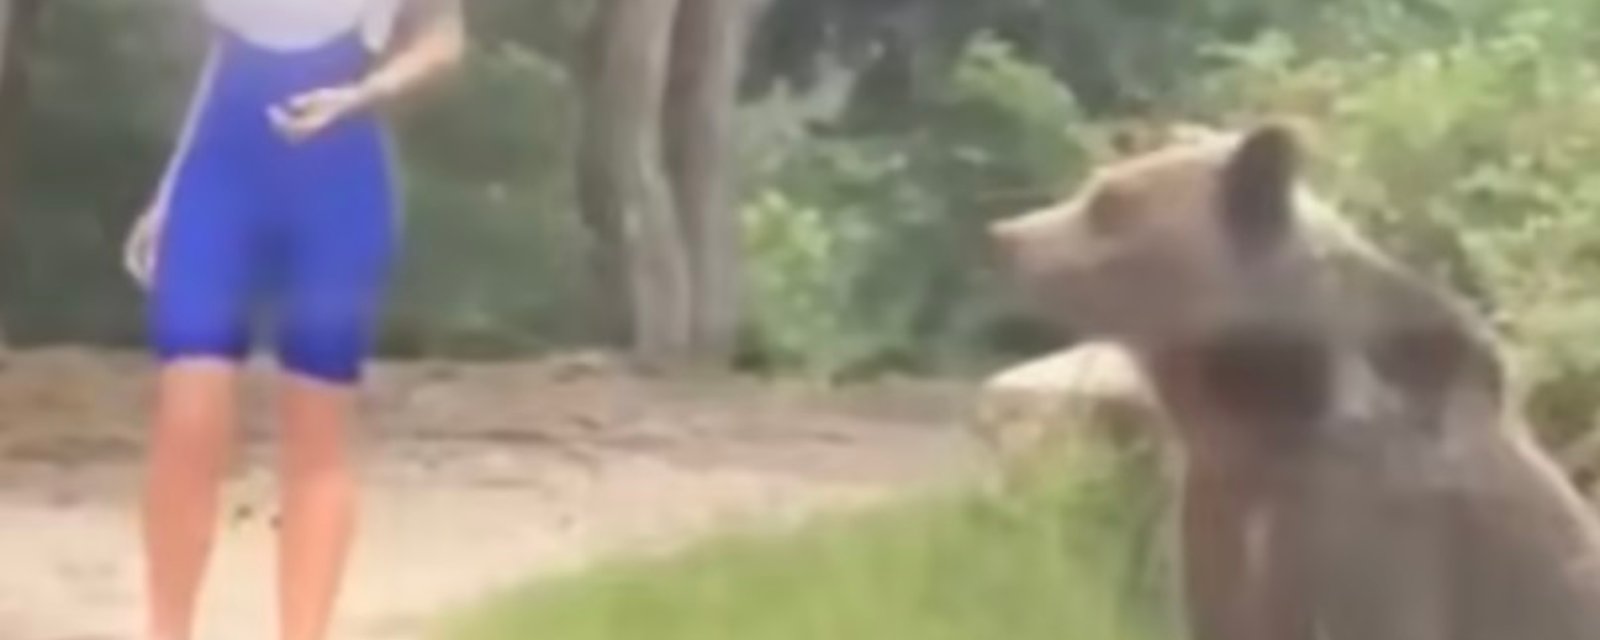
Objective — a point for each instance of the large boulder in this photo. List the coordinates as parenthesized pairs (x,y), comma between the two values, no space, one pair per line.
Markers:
(1090,392)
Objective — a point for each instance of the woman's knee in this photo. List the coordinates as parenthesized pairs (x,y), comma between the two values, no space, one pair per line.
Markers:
(316,414)
(195,410)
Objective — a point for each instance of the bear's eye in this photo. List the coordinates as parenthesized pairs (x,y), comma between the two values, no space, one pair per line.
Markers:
(1108,212)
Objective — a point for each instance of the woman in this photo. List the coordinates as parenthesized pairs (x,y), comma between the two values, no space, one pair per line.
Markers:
(280,193)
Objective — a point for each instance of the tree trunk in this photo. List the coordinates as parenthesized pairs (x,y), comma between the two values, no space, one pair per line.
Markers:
(17,21)
(707,61)
(598,198)
(626,195)
(5,30)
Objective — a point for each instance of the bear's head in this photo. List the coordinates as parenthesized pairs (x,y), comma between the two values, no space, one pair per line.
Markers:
(1193,237)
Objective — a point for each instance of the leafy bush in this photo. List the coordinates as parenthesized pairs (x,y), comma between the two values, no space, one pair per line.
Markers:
(106,82)
(493,240)
(1461,133)
(868,249)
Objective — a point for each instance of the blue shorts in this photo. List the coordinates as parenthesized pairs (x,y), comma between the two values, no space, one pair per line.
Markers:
(256,226)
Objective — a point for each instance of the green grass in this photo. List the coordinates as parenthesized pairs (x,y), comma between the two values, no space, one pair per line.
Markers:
(1071,558)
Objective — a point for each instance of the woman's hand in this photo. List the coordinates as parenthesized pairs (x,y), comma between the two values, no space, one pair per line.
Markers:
(436,42)
(308,114)
(139,250)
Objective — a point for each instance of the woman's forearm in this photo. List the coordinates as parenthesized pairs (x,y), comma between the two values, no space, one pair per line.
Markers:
(436,45)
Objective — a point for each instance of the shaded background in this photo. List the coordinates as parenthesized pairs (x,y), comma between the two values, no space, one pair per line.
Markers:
(874,140)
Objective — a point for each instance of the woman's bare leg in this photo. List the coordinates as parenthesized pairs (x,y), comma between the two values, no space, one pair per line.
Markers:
(319,504)
(196,407)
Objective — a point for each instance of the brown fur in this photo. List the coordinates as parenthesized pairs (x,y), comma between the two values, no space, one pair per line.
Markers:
(1354,468)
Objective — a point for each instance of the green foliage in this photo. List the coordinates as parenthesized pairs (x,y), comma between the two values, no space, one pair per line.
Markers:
(1074,553)
(101,114)
(492,236)
(869,248)
(880,138)
(1114,55)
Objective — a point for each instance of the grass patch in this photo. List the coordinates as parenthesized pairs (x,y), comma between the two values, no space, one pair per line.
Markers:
(1074,557)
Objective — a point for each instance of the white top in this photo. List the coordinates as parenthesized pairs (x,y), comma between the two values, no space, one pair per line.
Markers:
(289,25)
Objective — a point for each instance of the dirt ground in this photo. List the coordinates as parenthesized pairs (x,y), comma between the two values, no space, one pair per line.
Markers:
(476,476)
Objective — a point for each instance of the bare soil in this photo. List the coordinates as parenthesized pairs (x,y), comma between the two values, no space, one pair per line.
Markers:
(476,476)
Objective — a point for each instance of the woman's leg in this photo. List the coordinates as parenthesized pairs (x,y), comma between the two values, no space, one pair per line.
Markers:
(319,503)
(196,405)
(198,318)
(339,242)
(338,239)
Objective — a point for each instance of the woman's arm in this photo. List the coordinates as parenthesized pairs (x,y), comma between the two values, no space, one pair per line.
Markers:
(434,41)
(139,248)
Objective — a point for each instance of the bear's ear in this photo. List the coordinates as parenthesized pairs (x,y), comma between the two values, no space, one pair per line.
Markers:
(1258,185)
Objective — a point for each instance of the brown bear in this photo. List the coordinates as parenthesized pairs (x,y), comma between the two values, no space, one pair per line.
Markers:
(1354,466)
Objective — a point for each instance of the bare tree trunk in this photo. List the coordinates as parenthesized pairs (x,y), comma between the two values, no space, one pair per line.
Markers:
(626,191)
(598,197)
(707,61)
(5,30)
(17,21)
(8,140)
